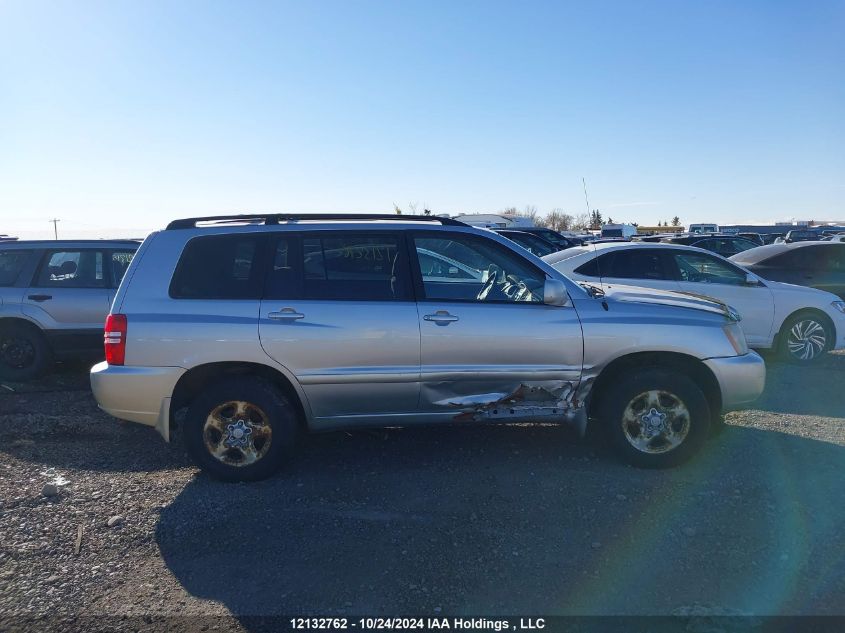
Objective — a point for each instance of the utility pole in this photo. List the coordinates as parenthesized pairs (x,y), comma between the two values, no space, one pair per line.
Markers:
(55,222)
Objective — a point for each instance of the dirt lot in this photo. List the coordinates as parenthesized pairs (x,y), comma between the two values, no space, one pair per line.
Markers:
(457,521)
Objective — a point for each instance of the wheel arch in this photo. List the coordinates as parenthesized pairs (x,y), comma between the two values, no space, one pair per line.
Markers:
(193,381)
(689,365)
(6,320)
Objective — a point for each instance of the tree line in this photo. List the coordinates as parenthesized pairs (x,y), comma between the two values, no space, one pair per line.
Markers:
(556,219)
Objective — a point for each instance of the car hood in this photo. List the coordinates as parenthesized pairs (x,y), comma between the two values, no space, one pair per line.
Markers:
(813,296)
(637,294)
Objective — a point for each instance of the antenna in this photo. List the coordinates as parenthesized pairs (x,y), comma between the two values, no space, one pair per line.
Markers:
(584,182)
(55,222)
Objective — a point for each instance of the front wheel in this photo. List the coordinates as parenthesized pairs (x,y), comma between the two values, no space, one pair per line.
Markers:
(656,418)
(804,338)
(240,429)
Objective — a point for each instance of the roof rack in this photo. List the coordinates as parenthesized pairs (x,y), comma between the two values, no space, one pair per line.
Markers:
(278,218)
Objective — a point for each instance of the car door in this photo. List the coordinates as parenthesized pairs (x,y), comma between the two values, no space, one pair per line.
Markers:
(490,348)
(338,313)
(705,274)
(829,271)
(69,296)
(634,266)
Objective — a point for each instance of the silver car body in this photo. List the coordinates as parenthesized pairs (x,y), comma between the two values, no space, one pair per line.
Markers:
(70,317)
(355,363)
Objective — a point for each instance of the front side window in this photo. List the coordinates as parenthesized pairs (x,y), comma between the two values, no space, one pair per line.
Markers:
(701,268)
(470,268)
(219,267)
(11,265)
(805,258)
(72,269)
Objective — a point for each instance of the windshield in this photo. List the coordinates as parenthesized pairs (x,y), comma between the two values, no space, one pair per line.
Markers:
(531,243)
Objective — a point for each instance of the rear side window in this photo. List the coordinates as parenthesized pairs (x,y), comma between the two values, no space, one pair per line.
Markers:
(353,266)
(72,269)
(632,264)
(11,265)
(591,268)
(120,261)
(219,267)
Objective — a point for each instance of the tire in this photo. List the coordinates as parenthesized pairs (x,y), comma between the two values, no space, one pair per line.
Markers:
(804,338)
(240,429)
(24,353)
(653,392)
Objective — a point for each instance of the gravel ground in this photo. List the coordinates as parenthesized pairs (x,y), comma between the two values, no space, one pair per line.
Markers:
(490,521)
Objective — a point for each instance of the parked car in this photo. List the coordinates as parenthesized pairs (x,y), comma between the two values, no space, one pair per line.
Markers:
(818,265)
(54,296)
(753,237)
(259,331)
(771,238)
(721,244)
(549,235)
(801,323)
(530,242)
(801,235)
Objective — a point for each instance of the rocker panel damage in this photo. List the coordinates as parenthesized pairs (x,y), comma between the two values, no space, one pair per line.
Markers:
(543,400)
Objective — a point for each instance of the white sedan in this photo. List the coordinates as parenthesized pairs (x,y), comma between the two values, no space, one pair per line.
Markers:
(801,323)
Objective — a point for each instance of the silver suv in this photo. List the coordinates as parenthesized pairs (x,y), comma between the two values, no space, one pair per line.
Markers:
(54,296)
(260,327)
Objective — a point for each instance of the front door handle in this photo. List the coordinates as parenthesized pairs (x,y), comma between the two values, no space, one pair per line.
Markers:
(40,297)
(441,317)
(286,314)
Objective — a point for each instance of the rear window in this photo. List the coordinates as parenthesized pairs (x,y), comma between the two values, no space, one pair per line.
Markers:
(219,267)
(11,264)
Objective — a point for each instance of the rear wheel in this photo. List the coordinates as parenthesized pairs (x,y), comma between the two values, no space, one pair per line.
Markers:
(656,418)
(240,429)
(804,338)
(24,353)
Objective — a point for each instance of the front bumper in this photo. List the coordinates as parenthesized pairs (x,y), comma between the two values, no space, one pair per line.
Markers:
(741,378)
(137,394)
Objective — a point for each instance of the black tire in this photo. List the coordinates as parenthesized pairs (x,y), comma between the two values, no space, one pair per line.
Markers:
(817,341)
(24,354)
(267,409)
(694,424)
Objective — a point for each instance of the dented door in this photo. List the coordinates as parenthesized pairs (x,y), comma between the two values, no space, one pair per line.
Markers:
(490,349)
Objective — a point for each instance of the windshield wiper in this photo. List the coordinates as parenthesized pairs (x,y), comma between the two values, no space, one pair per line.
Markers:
(593,291)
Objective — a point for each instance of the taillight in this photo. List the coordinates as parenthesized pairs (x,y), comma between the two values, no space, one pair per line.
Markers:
(114,339)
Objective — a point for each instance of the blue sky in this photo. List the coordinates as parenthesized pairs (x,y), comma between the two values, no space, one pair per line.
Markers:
(124,115)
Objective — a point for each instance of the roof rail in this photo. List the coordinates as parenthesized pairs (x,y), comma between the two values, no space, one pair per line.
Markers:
(278,218)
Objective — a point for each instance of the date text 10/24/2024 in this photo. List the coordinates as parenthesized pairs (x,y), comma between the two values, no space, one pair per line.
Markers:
(418,624)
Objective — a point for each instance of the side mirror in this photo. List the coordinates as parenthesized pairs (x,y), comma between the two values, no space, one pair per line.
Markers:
(554,293)
(751,280)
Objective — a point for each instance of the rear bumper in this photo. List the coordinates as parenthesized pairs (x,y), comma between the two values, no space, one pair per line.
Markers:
(137,394)
(741,378)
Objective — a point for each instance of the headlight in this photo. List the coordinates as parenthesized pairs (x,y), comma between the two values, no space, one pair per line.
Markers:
(839,305)
(737,338)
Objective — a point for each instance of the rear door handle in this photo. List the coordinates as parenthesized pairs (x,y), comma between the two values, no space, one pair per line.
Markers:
(286,314)
(40,297)
(441,317)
